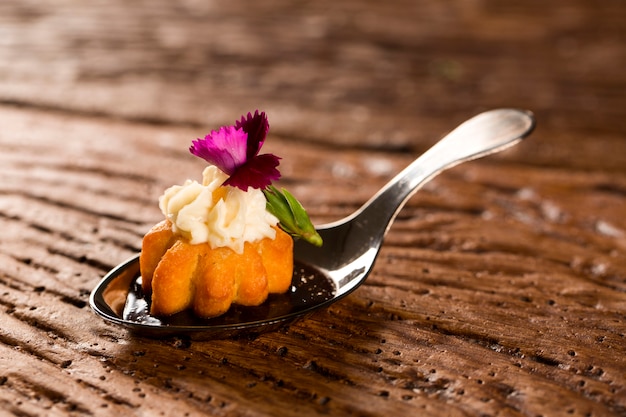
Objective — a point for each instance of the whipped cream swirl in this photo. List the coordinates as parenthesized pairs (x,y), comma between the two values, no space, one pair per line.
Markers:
(221,216)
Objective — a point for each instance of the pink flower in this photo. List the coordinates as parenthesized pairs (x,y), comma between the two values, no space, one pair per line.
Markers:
(234,150)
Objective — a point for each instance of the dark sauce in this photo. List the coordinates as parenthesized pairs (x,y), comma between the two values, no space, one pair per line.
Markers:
(309,288)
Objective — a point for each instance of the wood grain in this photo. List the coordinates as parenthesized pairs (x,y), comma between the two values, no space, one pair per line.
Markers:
(501,287)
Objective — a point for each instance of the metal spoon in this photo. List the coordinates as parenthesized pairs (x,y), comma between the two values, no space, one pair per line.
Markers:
(326,274)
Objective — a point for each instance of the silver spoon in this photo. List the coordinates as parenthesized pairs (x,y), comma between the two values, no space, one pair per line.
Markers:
(326,274)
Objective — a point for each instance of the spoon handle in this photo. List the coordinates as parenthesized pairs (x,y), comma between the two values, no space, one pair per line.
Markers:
(484,134)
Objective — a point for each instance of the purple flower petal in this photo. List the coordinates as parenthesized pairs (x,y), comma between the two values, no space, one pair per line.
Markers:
(258,172)
(234,150)
(224,148)
(256,127)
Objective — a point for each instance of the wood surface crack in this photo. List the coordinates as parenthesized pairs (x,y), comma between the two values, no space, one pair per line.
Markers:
(76,208)
(26,287)
(32,390)
(82,259)
(93,114)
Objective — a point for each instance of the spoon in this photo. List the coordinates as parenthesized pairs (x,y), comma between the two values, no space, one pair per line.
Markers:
(322,275)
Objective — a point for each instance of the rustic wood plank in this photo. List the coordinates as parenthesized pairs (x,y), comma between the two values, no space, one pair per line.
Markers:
(343,70)
(500,289)
(437,326)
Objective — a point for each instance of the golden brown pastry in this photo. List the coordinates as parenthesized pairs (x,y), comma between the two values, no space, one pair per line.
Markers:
(227,239)
(180,275)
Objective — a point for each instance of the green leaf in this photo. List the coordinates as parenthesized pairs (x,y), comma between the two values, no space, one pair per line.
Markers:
(292,217)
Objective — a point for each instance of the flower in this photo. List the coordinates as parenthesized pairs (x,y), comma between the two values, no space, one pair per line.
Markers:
(234,150)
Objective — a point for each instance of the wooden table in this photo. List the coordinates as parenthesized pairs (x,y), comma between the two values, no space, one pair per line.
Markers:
(500,289)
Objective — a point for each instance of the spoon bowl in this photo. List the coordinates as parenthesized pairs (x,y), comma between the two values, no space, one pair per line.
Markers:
(322,275)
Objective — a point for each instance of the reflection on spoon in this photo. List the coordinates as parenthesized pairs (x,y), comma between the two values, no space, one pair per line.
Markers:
(326,274)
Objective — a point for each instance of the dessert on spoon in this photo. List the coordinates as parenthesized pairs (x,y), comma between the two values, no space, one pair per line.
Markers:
(254,277)
(224,241)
